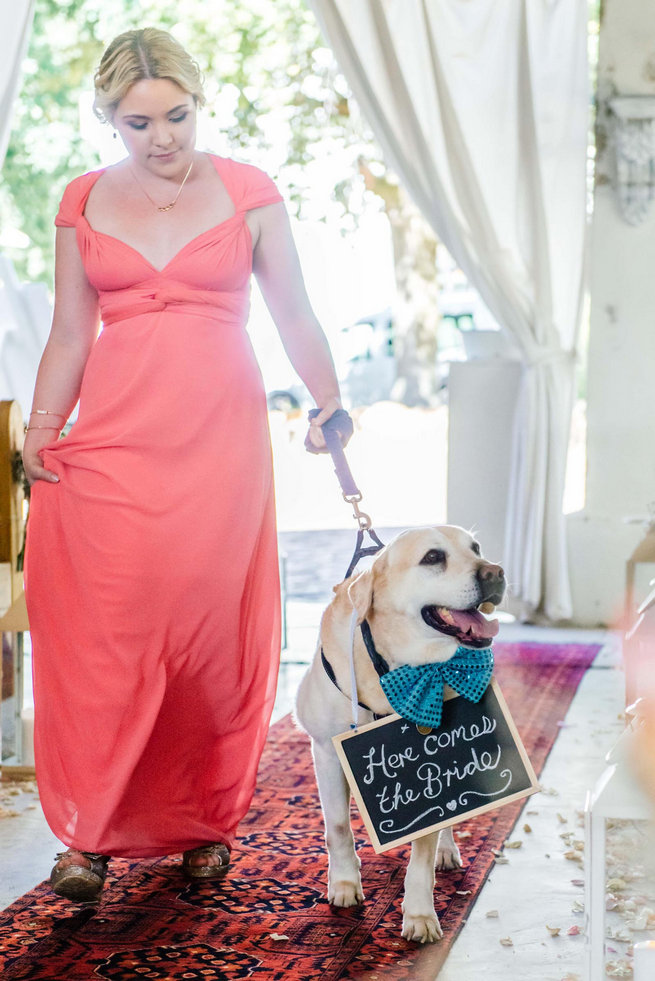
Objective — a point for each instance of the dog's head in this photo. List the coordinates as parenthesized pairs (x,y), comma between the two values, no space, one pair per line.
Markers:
(434,579)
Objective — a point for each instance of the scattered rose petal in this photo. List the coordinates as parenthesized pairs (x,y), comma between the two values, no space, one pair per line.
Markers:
(553,931)
(616,884)
(572,856)
(529,813)
(579,845)
(577,907)
(640,922)
(513,844)
(491,914)
(561,819)
(507,941)
(501,860)
(577,882)
(527,829)
(550,791)
(278,936)
(573,931)
(463,892)
(611,901)
(618,969)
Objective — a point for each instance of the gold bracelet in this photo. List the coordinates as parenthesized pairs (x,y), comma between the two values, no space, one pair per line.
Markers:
(46,412)
(54,428)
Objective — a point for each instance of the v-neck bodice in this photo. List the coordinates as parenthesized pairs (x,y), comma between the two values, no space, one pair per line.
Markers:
(213,268)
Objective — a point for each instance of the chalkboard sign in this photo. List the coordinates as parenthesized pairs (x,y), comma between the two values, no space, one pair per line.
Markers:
(410,780)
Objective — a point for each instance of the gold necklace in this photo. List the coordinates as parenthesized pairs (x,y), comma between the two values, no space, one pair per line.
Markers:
(165,207)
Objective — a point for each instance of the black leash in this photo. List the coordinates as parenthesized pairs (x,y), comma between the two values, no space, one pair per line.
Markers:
(352,495)
(339,427)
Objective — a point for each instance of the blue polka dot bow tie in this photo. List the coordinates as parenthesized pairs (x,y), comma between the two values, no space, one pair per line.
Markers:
(416,693)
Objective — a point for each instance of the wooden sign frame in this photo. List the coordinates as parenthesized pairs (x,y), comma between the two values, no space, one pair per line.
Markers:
(383,846)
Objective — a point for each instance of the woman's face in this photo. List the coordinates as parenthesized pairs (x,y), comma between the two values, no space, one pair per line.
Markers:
(156,120)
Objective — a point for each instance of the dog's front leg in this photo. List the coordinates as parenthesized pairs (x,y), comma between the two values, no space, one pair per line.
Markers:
(344,880)
(448,856)
(420,920)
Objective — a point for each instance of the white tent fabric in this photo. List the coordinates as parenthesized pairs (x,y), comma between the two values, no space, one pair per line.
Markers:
(481,108)
(15,27)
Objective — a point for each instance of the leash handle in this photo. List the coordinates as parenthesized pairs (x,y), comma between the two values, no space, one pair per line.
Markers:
(341,468)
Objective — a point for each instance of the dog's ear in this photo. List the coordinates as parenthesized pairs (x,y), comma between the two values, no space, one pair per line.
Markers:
(360,592)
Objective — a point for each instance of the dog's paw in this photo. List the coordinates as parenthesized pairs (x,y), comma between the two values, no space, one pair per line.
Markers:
(448,857)
(345,893)
(422,929)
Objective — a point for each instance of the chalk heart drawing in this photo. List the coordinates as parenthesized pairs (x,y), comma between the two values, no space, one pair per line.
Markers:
(451,805)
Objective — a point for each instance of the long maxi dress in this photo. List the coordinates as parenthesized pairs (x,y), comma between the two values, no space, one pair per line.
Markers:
(152,572)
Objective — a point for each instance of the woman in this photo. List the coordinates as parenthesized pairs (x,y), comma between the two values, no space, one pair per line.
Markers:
(151,575)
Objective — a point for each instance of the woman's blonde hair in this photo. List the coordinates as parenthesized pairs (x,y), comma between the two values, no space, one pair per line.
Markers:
(135,55)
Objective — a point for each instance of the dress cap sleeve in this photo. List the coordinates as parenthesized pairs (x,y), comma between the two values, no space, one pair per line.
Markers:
(257,188)
(73,200)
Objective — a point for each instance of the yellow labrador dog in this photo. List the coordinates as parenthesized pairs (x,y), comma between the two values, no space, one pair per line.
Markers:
(420,599)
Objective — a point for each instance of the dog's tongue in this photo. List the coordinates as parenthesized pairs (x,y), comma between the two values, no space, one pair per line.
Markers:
(470,622)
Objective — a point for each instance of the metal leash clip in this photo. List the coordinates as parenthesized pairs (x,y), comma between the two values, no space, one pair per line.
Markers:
(363,520)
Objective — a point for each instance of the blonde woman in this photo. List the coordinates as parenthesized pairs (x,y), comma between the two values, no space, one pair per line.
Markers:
(152,575)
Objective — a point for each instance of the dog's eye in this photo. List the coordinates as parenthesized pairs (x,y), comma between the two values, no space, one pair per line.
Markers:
(436,556)
(476,548)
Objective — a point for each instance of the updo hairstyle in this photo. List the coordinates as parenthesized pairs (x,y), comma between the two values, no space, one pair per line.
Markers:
(140,54)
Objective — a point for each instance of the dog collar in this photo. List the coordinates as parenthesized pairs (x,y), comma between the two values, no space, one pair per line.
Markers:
(416,692)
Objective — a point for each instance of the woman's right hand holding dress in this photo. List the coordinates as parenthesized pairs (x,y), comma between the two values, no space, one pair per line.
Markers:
(35,440)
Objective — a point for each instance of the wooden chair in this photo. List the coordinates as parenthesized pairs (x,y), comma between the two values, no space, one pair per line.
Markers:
(13,613)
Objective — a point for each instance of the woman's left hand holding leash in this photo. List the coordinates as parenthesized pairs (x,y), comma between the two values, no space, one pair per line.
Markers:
(336,417)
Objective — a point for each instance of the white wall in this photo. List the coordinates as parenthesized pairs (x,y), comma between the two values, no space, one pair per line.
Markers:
(621,377)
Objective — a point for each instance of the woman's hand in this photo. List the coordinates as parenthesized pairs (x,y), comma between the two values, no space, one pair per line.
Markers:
(338,423)
(35,440)
(315,434)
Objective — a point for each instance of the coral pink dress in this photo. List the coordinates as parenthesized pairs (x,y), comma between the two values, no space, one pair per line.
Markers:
(152,571)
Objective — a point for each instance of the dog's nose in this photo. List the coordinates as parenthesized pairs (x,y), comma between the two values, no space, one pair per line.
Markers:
(491,579)
(490,571)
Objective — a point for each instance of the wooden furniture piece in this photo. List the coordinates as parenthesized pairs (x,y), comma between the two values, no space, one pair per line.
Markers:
(13,613)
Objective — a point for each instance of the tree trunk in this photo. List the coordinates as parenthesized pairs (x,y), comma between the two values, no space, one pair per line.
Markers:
(416,314)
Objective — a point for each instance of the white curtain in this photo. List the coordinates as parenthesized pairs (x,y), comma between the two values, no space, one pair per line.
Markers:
(15,26)
(481,108)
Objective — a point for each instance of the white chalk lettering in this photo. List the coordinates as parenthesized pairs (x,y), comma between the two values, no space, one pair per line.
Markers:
(450,737)
(389,804)
(390,765)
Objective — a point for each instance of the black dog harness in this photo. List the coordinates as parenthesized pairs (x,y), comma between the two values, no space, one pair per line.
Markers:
(377,661)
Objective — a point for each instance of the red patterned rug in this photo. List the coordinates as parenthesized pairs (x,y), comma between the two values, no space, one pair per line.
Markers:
(269,919)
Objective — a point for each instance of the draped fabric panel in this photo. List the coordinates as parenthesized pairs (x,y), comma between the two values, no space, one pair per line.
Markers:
(481,108)
(15,27)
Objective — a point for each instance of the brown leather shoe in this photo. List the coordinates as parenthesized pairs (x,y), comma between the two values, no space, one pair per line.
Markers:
(79,876)
(215,861)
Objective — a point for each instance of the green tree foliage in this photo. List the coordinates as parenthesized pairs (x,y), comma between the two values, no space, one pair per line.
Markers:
(275,97)
(267,72)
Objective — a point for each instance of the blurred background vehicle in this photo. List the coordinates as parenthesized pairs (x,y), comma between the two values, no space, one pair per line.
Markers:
(365,353)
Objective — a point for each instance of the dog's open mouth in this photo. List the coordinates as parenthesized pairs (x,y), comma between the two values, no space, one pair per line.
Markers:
(469,627)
